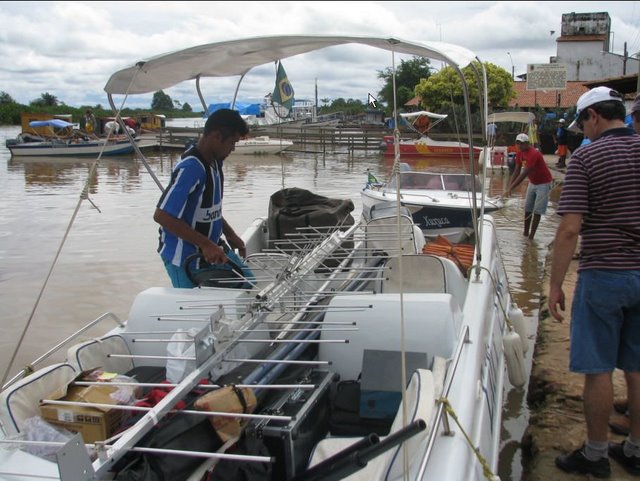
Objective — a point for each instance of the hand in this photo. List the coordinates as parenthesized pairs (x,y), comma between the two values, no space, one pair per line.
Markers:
(214,254)
(556,299)
(236,242)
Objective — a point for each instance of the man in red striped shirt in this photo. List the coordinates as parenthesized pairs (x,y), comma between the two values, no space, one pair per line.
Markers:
(600,201)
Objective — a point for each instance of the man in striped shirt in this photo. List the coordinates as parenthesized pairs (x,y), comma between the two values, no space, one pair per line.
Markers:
(600,200)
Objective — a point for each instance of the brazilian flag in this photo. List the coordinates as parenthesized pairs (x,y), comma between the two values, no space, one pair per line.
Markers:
(283,92)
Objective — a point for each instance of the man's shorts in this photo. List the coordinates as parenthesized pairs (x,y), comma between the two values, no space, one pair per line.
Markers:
(537,198)
(562,150)
(605,321)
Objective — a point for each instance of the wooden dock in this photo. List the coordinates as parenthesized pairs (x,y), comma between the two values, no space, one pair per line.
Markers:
(310,140)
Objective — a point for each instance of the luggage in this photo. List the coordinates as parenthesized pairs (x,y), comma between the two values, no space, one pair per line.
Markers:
(295,208)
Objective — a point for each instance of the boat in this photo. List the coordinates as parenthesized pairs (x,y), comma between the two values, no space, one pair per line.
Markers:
(74,145)
(409,343)
(425,146)
(500,156)
(261,144)
(439,201)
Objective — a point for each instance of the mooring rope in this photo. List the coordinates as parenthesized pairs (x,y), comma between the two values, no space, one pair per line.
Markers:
(83,195)
(486,469)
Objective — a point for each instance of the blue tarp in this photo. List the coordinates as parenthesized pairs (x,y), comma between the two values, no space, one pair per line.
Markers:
(57,123)
(242,107)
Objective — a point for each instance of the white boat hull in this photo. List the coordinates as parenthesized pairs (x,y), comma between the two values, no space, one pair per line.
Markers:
(456,321)
(261,145)
(435,211)
(63,149)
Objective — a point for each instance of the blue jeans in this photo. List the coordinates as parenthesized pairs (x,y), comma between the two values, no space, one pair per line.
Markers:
(605,321)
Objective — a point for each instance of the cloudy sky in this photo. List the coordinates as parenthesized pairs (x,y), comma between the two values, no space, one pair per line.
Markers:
(70,49)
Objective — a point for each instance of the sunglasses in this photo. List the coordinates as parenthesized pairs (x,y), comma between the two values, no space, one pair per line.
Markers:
(584,115)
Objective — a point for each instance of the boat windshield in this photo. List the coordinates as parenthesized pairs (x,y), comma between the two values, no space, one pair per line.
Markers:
(435,181)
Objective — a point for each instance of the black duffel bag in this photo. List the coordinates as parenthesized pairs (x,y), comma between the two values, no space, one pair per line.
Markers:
(180,431)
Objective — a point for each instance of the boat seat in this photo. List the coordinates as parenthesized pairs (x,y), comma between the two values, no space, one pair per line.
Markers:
(267,265)
(420,397)
(424,273)
(95,354)
(21,400)
(382,235)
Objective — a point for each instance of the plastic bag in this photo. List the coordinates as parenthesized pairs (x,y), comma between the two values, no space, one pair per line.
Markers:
(181,345)
(37,429)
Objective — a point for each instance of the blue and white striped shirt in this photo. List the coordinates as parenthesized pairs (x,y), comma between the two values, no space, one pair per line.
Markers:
(193,195)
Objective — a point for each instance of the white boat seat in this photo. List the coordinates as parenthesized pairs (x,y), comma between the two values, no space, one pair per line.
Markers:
(21,400)
(267,265)
(421,400)
(95,354)
(382,235)
(424,273)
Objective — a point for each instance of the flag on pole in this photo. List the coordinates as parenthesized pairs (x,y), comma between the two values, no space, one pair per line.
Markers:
(283,92)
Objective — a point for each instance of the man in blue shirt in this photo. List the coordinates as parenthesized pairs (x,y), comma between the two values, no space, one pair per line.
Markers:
(190,209)
(562,139)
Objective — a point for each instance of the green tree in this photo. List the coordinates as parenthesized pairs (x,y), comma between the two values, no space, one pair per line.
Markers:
(161,101)
(186,107)
(408,74)
(46,100)
(5,98)
(443,90)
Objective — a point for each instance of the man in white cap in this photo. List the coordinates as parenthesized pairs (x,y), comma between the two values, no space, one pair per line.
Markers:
(531,164)
(600,201)
(562,139)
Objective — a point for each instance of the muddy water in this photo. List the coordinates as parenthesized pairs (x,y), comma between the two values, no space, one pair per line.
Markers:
(108,251)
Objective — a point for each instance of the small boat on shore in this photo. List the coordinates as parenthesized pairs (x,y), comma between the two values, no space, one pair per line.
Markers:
(438,201)
(498,156)
(345,357)
(425,146)
(73,145)
(261,144)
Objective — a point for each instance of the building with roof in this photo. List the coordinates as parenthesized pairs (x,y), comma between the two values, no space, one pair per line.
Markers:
(584,48)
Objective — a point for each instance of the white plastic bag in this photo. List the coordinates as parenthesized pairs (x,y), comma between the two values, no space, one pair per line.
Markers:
(181,345)
(37,429)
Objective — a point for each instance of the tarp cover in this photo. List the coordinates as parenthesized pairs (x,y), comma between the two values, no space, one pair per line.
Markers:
(57,123)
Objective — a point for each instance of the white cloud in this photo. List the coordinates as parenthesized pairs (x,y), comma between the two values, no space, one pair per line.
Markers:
(70,49)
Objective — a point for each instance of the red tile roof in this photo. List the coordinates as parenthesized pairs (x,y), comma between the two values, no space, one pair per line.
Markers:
(547,99)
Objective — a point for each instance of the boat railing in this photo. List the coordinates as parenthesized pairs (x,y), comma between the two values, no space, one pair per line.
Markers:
(30,367)
(441,416)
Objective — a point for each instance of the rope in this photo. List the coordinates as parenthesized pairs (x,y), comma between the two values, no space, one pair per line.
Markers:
(486,469)
(83,195)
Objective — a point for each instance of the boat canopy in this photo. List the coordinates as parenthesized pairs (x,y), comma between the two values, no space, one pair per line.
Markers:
(519,117)
(412,115)
(57,123)
(237,57)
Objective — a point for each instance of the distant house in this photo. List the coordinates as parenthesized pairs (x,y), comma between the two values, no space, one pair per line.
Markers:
(549,99)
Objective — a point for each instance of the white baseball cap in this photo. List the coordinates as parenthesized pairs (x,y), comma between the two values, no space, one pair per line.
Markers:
(593,96)
(561,121)
(522,138)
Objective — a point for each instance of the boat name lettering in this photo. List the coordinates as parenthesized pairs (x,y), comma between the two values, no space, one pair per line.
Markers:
(436,221)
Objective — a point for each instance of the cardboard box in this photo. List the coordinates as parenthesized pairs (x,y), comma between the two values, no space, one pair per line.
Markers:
(95,424)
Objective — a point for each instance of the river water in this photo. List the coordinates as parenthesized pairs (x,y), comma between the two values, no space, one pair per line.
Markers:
(103,249)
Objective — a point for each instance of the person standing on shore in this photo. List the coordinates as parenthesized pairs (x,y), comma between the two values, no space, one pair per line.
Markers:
(531,164)
(190,208)
(562,140)
(601,201)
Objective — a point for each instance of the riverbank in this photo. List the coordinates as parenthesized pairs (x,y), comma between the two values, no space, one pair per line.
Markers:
(556,423)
